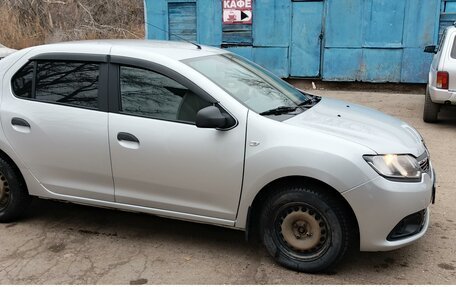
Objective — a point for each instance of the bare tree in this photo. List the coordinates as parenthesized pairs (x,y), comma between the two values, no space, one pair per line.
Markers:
(30,22)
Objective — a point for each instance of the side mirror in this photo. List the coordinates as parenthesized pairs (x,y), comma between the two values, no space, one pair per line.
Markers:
(430,49)
(211,117)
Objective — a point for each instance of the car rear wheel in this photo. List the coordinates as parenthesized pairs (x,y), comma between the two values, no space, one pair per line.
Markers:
(14,197)
(305,229)
(431,110)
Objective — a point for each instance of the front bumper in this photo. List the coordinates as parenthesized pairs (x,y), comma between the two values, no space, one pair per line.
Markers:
(380,204)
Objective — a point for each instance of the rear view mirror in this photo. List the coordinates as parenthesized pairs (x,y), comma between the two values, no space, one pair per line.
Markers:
(430,49)
(212,117)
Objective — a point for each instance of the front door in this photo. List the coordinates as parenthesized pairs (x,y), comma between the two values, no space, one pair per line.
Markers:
(161,160)
(305,50)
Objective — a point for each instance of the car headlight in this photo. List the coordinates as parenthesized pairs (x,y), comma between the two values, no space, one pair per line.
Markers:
(395,167)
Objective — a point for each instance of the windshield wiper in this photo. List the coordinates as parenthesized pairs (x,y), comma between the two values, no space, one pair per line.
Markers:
(310,102)
(279,111)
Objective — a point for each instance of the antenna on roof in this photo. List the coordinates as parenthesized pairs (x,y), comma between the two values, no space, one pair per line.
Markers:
(177,36)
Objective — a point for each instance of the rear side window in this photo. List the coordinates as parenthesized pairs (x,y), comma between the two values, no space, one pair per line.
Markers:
(68,83)
(453,50)
(59,82)
(22,81)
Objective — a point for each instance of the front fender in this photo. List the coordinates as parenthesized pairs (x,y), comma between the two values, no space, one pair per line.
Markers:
(283,150)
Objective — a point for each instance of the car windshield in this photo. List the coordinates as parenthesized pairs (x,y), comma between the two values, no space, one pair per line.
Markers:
(250,84)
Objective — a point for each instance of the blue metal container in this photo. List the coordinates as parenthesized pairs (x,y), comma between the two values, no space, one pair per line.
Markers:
(335,40)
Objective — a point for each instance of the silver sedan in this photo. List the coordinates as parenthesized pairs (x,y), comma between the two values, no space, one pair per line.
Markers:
(200,134)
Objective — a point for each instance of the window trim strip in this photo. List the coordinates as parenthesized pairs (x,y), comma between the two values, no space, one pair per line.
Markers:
(71,57)
(35,67)
(103,87)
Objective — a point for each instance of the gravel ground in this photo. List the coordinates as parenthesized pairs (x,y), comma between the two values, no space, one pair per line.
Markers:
(64,243)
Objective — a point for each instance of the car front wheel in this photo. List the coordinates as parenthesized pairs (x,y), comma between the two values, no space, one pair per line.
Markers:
(305,228)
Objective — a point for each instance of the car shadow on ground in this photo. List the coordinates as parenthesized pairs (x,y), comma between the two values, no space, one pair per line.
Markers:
(100,221)
(447,116)
(136,228)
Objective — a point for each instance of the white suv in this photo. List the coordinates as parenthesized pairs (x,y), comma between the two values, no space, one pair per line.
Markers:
(198,133)
(441,89)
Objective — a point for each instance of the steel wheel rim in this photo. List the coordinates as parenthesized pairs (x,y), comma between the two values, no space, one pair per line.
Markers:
(5,194)
(302,231)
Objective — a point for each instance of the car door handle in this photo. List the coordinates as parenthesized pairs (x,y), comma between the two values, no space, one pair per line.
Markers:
(127,137)
(20,122)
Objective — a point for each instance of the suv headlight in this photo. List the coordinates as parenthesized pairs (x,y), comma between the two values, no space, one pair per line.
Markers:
(395,166)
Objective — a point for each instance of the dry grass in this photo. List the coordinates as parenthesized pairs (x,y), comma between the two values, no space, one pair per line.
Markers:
(26,23)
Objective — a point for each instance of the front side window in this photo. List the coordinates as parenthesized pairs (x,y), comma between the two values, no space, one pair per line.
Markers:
(148,94)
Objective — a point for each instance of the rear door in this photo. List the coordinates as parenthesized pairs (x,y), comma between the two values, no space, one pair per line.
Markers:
(54,116)
(160,159)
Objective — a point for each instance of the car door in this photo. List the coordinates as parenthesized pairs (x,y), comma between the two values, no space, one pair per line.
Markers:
(54,116)
(160,159)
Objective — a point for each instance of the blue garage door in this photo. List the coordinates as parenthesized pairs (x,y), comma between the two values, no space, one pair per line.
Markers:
(305,52)
(182,21)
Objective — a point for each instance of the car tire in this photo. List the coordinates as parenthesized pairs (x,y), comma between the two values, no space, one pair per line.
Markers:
(305,228)
(431,110)
(14,198)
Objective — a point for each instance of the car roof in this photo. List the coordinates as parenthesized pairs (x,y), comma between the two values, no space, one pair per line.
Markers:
(170,49)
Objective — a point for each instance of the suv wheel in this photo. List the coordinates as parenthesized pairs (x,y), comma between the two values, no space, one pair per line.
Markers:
(14,197)
(431,110)
(305,230)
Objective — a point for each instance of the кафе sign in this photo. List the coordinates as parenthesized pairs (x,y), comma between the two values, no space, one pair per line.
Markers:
(237,11)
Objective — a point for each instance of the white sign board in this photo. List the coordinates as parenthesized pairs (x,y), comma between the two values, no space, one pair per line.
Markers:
(237,11)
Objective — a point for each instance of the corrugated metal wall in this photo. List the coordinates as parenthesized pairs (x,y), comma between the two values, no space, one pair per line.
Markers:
(379,40)
(336,40)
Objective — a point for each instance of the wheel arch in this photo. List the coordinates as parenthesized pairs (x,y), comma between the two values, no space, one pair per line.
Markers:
(8,159)
(252,224)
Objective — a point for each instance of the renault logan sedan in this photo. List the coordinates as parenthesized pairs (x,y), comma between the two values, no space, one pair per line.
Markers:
(200,134)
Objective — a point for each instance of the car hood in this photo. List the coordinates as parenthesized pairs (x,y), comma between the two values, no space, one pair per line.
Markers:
(380,132)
